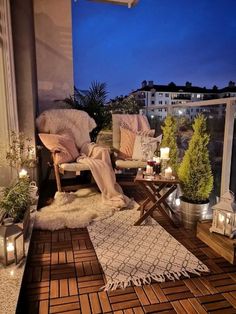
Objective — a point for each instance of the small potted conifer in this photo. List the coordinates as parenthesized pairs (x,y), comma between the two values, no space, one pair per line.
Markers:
(195,176)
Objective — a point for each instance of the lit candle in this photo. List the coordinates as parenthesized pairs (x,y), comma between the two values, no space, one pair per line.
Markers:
(23,174)
(149,169)
(10,251)
(165,152)
(10,247)
(177,201)
(221,222)
(168,173)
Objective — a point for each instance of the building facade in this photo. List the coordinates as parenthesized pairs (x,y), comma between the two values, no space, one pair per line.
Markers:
(156,99)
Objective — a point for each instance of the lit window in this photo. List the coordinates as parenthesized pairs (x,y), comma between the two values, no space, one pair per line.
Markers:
(198,96)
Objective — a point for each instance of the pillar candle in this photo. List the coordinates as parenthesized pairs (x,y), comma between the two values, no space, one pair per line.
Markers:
(165,152)
(168,173)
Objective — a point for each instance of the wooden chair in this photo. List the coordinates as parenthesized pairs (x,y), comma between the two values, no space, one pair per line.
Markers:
(61,169)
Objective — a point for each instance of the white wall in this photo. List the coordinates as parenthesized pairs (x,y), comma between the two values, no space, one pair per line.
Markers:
(53,32)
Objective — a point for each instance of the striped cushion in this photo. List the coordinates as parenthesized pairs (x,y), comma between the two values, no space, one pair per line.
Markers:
(127,139)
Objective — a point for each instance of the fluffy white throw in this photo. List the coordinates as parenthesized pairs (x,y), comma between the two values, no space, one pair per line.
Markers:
(60,121)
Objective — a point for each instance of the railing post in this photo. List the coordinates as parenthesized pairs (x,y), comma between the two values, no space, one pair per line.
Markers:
(228,146)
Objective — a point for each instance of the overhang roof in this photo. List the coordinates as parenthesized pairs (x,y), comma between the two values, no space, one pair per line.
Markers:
(129,3)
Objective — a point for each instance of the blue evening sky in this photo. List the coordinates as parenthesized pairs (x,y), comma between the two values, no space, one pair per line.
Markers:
(159,40)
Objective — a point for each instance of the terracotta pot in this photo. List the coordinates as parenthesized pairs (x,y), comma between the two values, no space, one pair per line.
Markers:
(191,213)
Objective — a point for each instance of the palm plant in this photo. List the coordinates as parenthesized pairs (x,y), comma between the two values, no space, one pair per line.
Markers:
(93,102)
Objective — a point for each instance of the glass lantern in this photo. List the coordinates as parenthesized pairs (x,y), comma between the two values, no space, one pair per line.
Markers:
(12,248)
(224,216)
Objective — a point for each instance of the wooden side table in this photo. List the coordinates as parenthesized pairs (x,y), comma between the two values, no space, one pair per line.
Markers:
(156,189)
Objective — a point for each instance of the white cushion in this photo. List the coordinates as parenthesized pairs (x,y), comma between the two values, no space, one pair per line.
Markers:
(120,163)
(144,144)
(73,167)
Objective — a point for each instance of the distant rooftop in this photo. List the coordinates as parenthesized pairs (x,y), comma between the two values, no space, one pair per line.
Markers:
(187,88)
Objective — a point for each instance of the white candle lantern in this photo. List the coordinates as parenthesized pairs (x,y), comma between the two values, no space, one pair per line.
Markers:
(165,151)
(12,247)
(23,174)
(224,216)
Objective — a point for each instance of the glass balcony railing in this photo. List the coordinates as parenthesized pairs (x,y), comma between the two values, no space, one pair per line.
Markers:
(220,125)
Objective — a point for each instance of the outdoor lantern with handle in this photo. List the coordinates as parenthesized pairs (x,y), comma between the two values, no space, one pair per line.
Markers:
(12,248)
(224,216)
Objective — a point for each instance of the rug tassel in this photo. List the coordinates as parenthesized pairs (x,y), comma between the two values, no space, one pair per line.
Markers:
(148,279)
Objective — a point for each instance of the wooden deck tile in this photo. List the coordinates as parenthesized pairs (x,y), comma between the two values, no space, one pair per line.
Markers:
(43,307)
(85,306)
(95,303)
(159,308)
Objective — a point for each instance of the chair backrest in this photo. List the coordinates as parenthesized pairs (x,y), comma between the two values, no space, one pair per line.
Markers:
(60,121)
(136,122)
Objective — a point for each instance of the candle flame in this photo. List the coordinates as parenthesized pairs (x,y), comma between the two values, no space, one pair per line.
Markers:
(10,247)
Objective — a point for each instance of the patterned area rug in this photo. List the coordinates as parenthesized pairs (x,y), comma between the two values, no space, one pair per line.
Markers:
(137,254)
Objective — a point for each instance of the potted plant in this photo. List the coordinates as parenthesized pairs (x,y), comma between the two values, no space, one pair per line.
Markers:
(21,153)
(195,176)
(15,203)
(16,199)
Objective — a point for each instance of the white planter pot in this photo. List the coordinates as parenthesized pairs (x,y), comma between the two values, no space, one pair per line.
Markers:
(192,213)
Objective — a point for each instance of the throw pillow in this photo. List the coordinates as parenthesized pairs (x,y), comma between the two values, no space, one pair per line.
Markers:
(145,146)
(149,132)
(127,139)
(63,143)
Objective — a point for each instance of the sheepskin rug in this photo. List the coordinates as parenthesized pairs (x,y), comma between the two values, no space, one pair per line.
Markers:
(74,210)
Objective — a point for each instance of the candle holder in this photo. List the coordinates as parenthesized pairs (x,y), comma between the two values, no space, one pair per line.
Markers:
(164,165)
(12,247)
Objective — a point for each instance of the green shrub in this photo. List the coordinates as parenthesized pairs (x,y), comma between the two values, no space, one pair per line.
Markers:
(169,139)
(15,200)
(195,170)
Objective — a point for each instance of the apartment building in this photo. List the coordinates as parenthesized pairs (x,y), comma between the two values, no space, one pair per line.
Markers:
(153,97)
